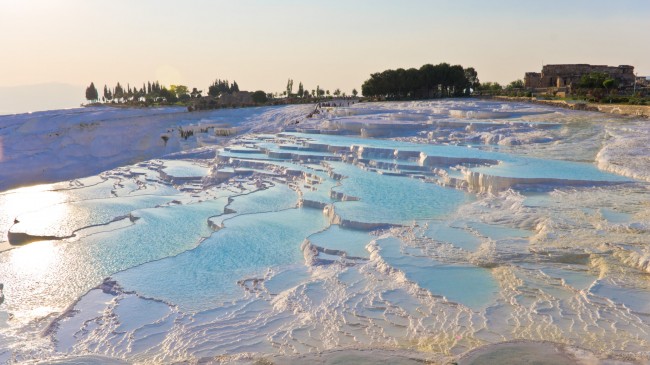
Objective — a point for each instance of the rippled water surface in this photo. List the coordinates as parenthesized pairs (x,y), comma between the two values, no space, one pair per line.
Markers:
(430,227)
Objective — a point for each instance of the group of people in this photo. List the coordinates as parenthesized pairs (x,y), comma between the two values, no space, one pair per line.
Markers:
(334,103)
(328,104)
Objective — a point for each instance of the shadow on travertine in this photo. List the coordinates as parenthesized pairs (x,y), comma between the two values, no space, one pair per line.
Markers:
(533,353)
(355,357)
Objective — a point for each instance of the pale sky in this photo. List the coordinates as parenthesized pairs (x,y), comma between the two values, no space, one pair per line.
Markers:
(334,44)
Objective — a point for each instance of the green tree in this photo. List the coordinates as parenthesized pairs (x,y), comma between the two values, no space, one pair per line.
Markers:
(490,86)
(213,90)
(301,90)
(472,78)
(108,95)
(91,93)
(179,90)
(593,80)
(119,92)
(196,93)
(355,92)
(222,87)
(610,84)
(259,97)
(169,96)
(337,92)
(430,81)
(517,84)
(289,87)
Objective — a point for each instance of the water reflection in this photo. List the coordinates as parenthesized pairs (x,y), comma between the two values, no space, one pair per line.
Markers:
(29,275)
(34,260)
(34,198)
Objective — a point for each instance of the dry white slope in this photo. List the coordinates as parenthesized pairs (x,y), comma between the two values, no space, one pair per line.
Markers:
(66,144)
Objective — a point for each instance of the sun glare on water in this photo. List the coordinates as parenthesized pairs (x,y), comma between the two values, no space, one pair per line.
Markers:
(36,259)
(32,198)
(28,200)
(31,274)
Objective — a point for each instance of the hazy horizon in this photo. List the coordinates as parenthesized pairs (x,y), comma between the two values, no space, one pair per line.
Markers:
(39,97)
(333,45)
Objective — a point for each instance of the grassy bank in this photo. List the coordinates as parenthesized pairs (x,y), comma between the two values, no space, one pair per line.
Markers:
(620,109)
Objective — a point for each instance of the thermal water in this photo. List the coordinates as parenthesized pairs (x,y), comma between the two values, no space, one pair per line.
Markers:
(434,227)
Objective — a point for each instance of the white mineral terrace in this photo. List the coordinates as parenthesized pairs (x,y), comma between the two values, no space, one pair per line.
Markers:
(412,231)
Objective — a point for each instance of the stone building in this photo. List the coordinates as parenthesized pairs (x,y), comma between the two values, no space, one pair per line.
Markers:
(566,76)
(643,81)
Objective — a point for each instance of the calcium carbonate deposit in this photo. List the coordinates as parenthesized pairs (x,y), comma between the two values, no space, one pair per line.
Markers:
(424,229)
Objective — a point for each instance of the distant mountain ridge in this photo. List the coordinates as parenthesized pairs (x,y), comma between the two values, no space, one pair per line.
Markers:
(46,96)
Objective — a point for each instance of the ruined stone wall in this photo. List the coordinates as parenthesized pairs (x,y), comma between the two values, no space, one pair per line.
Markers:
(570,74)
(532,80)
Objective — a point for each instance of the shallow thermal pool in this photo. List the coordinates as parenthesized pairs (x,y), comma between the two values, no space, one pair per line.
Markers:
(473,226)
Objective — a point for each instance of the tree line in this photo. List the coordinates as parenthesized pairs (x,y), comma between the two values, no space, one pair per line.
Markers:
(221,93)
(304,93)
(219,87)
(151,92)
(154,92)
(427,82)
(514,88)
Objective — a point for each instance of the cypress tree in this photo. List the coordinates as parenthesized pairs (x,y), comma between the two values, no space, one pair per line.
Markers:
(119,91)
(91,93)
(289,87)
(301,90)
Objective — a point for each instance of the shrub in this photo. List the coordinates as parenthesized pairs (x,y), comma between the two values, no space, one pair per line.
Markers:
(259,97)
